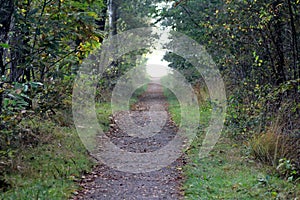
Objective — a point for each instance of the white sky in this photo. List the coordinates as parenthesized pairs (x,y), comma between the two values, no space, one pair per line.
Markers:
(156,67)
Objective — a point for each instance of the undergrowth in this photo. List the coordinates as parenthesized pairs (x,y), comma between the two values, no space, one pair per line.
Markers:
(229,172)
(51,169)
(48,171)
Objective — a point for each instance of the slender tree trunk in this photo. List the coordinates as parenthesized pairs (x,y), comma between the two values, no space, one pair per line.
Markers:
(101,24)
(6,11)
(112,24)
(112,14)
(294,40)
(278,42)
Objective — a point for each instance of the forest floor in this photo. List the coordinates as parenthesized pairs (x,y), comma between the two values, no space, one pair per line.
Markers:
(165,183)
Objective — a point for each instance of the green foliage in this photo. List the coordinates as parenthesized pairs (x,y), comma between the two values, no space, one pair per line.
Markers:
(40,53)
(255,44)
(41,50)
(15,102)
(288,170)
(53,36)
(135,13)
(248,43)
(103,111)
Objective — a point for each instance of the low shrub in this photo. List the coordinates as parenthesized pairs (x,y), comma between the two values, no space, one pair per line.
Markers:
(268,147)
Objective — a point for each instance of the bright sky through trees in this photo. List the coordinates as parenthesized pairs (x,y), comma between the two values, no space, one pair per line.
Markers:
(156,66)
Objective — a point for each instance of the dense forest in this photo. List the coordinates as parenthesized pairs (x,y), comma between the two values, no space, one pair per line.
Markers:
(254,43)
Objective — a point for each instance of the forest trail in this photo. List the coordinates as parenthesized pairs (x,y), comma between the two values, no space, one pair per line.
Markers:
(106,183)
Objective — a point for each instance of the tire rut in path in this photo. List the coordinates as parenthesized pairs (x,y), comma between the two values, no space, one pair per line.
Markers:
(106,183)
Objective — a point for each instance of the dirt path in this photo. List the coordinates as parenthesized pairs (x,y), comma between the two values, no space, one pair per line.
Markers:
(106,183)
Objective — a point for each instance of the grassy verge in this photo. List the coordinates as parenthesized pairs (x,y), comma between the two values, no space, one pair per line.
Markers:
(137,93)
(228,172)
(50,169)
(103,111)
(123,106)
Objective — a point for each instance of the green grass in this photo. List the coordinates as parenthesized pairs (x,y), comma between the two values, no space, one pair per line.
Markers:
(49,170)
(227,173)
(121,106)
(137,93)
(103,111)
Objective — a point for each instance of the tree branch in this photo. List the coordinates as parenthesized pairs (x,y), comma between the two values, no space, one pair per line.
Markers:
(190,15)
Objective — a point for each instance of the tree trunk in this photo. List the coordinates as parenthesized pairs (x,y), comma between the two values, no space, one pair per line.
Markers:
(6,10)
(101,23)
(294,41)
(112,14)
(278,42)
